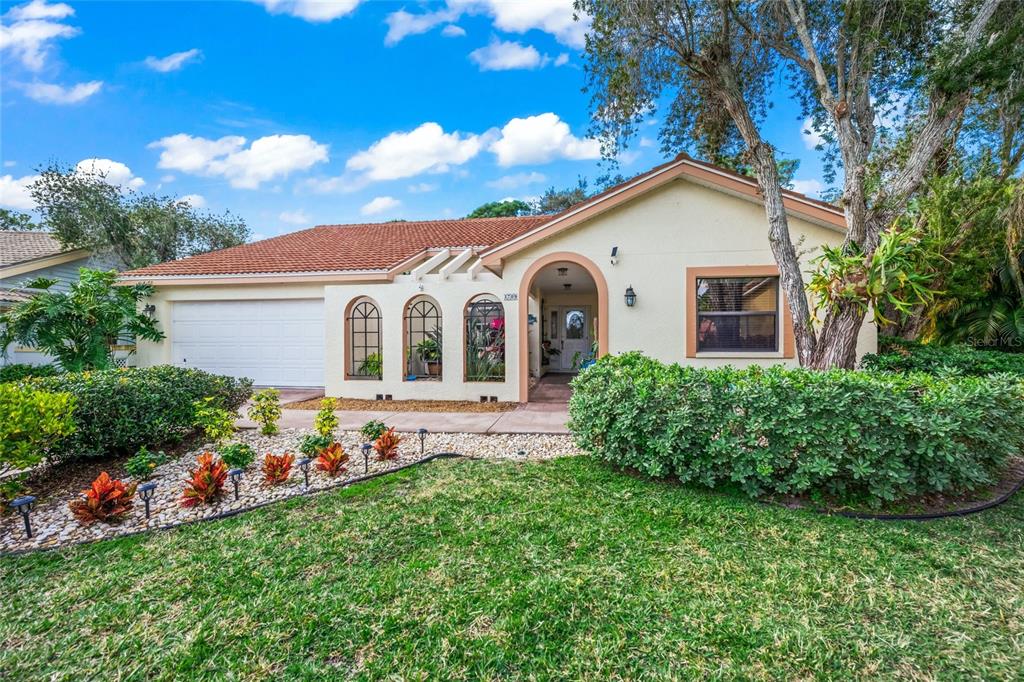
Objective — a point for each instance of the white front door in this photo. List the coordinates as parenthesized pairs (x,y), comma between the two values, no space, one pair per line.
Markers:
(573,336)
(273,342)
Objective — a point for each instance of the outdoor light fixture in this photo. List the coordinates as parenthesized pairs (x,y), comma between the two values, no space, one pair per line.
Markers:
(562,272)
(567,285)
(615,255)
(304,468)
(236,478)
(522,453)
(146,492)
(366,457)
(24,507)
(422,433)
(630,296)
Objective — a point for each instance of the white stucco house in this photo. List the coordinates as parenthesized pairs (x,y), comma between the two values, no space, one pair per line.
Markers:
(674,262)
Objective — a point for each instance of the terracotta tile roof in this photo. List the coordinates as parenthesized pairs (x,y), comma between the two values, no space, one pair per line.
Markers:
(18,247)
(330,248)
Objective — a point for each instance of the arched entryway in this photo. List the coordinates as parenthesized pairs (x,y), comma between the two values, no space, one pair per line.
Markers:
(569,299)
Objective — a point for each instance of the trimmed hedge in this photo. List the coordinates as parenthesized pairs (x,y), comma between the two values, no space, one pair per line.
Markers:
(853,434)
(19,371)
(909,356)
(121,410)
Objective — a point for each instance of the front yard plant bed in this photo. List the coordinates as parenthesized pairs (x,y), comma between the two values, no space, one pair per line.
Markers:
(54,525)
(561,569)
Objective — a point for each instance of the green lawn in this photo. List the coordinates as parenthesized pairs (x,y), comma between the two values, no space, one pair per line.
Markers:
(468,570)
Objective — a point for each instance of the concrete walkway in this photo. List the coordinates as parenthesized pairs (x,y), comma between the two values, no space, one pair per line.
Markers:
(529,418)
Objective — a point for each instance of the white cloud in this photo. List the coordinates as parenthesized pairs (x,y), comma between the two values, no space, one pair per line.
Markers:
(267,158)
(316,11)
(194,200)
(52,93)
(113,172)
(14,192)
(811,137)
(32,30)
(10,164)
(173,62)
(520,16)
(517,180)
(294,217)
(453,31)
(167,178)
(426,149)
(422,187)
(380,205)
(402,24)
(810,187)
(646,142)
(539,139)
(501,55)
(562,59)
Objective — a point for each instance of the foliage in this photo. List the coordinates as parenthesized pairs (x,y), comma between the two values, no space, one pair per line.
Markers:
(555,201)
(428,350)
(326,421)
(141,464)
(119,411)
(206,482)
(216,423)
(386,445)
(485,350)
(83,210)
(237,455)
(19,371)
(312,445)
(372,429)
(15,221)
(78,327)
(907,356)
(277,468)
(332,460)
(30,421)
(266,410)
(501,209)
(372,366)
(878,436)
(107,500)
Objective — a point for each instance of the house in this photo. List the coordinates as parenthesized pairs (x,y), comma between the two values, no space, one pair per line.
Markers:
(674,262)
(27,255)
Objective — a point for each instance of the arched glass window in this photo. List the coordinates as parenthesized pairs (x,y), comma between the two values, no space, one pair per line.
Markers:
(485,339)
(422,339)
(364,339)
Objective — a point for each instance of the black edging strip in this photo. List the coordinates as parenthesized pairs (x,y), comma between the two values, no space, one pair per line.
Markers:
(235,512)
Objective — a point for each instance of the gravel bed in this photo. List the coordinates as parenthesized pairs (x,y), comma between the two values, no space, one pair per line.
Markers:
(53,524)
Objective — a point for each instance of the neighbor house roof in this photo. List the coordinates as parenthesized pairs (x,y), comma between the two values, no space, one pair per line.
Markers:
(18,247)
(388,247)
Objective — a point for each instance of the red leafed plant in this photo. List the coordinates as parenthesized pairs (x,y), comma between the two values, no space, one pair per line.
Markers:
(107,499)
(277,467)
(206,481)
(332,459)
(386,445)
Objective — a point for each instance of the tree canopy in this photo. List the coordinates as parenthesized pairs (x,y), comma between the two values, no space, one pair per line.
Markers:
(501,209)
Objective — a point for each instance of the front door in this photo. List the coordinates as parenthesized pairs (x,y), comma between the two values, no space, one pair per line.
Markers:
(574,337)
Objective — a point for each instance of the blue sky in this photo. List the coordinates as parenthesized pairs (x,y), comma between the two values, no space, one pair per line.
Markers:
(292,113)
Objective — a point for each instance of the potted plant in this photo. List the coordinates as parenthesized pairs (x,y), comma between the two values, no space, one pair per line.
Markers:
(429,352)
(372,366)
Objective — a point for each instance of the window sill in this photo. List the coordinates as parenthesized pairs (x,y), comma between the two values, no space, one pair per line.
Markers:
(721,354)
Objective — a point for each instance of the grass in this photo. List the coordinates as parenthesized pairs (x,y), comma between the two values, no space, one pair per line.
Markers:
(563,569)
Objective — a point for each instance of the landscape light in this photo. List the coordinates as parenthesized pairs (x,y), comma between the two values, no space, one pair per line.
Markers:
(422,433)
(366,457)
(146,492)
(236,478)
(304,468)
(24,506)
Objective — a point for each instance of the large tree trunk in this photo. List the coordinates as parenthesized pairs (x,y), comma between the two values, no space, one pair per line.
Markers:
(837,340)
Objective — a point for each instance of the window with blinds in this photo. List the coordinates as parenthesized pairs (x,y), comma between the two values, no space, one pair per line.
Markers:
(737,314)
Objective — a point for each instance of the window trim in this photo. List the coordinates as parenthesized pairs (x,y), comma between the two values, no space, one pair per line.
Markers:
(786,343)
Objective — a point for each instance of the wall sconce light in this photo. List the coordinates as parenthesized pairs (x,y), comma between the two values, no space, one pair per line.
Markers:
(149,310)
(366,457)
(146,492)
(615,255)
(567,286)
(236,478)
(562,272)
(23,505)
(630,296)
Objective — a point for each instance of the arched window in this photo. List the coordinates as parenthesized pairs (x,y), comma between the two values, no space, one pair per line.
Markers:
(422,339)
(485,339)
(364,359)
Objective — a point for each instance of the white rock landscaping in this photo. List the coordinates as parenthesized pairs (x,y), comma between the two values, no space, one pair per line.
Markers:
(53,525)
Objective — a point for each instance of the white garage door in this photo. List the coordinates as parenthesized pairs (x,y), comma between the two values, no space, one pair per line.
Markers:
(274,343)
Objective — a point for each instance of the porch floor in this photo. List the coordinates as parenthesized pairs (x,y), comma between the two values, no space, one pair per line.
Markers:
(552,388)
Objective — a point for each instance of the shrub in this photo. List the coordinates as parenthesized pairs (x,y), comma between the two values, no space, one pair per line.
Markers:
(266,410)
(372,429)
(908,356)
(860,434)
(107,500)
(119,411)
(30,421)
(312,445)
(332,460)
(17,372)
(206,482)
(386,445)
(216,423)
(326,421)
(277,468)
(237,455)
(141,464)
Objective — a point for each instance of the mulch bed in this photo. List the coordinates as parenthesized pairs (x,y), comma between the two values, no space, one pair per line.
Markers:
(361,405)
